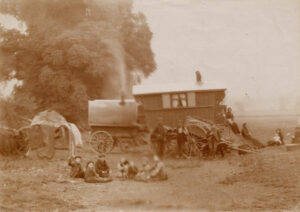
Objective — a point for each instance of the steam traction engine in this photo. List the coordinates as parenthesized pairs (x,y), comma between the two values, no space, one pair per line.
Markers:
(114,122)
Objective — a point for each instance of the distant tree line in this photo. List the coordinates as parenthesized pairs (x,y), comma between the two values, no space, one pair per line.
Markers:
(71,52)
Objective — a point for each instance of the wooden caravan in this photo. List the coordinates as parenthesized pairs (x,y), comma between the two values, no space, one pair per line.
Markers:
(178,101)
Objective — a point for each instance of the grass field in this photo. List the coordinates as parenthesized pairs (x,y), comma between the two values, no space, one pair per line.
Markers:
(267,181)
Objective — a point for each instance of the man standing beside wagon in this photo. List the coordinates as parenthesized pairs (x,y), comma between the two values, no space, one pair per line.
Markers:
(158,137)
(181,135)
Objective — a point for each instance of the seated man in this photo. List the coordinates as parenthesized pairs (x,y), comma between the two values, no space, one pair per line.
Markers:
(132,170)
(90,175)
(246,134)
(101,167)
(230,120)
(123,168)
(158,171)
(76,168)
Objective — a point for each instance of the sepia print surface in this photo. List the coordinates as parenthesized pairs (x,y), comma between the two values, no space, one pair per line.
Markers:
(149,105)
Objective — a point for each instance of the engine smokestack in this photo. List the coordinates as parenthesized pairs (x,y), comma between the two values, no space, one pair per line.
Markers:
(122,102)
(198,77)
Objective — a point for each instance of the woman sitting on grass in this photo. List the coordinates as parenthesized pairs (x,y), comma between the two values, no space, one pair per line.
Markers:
(91,176)
(102,168)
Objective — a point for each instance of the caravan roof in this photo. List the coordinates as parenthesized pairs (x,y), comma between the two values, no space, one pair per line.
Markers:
(174,87)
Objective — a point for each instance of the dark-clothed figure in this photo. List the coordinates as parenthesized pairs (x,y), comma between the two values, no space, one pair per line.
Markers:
(280,135)
(132,170)
(90,175)
(213,140)
(230,120)
(296,137)
(246,134)
(76,168)
(101,167)
(158,137)
(181,134)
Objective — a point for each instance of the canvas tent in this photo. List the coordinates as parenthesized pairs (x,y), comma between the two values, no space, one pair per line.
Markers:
(43,133)
(50,118)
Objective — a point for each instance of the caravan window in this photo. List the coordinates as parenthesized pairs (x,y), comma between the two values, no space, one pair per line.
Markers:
(179,100)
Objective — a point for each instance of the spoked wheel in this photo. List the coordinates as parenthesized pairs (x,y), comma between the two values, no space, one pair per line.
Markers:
(192,147)
(102,142)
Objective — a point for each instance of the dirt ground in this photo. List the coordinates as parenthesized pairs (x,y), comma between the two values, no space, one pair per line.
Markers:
(267,180)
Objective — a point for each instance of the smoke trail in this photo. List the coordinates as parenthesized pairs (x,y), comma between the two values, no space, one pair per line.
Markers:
(115,82)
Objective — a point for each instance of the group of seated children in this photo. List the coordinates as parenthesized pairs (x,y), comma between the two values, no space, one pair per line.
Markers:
(99,172)
(128,170)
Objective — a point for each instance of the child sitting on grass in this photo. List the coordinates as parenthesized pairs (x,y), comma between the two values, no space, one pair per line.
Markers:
(123,168)
(76,168)
(158,171)
(132,170)
(144,173)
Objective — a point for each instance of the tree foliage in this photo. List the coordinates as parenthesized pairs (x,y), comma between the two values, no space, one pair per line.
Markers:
(73,50)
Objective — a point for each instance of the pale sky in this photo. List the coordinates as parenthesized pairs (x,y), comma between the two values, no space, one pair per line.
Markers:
(250,46)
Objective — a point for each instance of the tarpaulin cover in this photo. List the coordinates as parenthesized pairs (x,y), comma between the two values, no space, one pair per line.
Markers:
(197,127)
(76,133)
(50,118)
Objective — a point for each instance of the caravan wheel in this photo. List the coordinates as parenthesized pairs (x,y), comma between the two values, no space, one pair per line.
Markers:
(102,142)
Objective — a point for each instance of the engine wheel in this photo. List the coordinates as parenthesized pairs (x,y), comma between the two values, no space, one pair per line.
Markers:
(102,142)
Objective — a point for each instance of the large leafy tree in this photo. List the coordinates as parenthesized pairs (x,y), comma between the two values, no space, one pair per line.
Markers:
(73,51)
